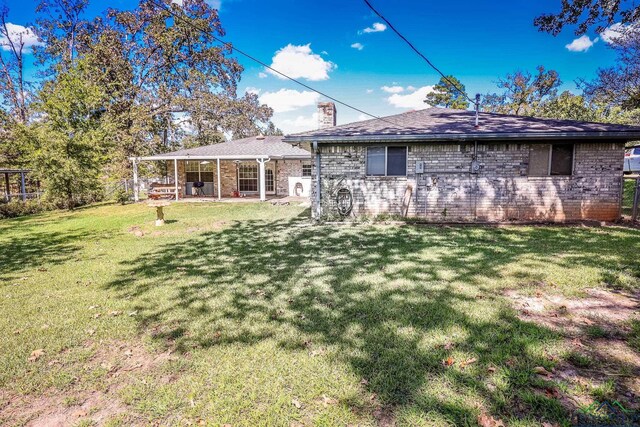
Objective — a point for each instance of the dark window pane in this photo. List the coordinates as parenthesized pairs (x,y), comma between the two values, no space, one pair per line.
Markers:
(306,170)
(375,161)
(396,161)
(636,151)
(562,159)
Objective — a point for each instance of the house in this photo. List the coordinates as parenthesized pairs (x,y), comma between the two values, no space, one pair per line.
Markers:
(439,165)
(258,166)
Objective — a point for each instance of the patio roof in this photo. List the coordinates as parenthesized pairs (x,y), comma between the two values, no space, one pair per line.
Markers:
(255,147)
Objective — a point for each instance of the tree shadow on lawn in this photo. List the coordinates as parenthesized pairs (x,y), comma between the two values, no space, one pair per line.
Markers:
(32,249)
(393,303)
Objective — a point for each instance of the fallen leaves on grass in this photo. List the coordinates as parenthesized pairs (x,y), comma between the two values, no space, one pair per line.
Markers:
(470,361)
(485,420)
(328,400)
(448,361)
(36,354)
(541,371)
(296,403)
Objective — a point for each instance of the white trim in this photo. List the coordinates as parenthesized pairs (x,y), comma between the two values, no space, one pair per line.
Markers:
(218,170)
(175,170)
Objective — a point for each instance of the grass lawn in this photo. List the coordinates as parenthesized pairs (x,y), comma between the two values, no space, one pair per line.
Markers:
(248,314)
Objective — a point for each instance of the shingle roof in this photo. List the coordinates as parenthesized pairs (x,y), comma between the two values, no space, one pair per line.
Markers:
(443,124)
(271,146)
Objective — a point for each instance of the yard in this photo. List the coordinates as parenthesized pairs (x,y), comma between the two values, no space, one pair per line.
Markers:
(248,314)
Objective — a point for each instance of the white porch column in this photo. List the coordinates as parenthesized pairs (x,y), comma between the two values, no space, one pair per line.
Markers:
(262,184)
(136,187)
(219,187)
(175,176)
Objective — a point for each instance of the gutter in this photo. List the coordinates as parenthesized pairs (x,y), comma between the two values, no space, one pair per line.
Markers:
(496,136)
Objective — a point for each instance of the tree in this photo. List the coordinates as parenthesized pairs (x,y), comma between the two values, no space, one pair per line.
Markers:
(14,89)
(620,84)
(168,78)
(63,32)
(587,13)
(448,93)
(71,144)
(523,93)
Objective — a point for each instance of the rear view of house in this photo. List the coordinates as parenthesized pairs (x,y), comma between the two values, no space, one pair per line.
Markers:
(436,164)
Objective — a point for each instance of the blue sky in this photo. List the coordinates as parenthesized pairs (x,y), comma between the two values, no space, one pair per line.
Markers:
(326,45)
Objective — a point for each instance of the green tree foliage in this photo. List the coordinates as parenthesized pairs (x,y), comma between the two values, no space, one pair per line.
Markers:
(587,13)
(71,141)
(448,93)
(523,93)
(568,106)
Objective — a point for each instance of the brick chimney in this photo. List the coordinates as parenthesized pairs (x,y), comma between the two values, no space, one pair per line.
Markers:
(326,114)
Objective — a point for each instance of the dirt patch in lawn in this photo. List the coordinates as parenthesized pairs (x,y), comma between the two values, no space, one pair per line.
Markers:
(600,362)
(119,362)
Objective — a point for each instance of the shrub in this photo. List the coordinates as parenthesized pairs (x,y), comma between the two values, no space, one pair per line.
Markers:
(122,196)
(17,208)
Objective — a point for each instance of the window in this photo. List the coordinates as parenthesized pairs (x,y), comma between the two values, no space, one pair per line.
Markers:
(387,161)
(199,171)
(551,159)
(248,178)
(306,170)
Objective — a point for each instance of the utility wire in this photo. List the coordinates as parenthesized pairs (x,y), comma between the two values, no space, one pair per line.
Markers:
(431,64)
(232,47)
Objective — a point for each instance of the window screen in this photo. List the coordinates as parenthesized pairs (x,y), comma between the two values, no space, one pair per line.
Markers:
(396,161)
(561,159)
(375,160)
(539,160)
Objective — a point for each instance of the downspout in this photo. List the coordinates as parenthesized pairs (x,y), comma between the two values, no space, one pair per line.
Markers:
(316,151)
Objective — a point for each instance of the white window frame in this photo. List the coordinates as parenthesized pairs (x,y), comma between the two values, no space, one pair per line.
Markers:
(386,149)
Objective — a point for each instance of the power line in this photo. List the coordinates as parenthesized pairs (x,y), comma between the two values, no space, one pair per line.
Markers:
(431,64)
(232,47)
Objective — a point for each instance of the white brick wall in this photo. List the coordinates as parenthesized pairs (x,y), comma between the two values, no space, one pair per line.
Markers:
(501,191)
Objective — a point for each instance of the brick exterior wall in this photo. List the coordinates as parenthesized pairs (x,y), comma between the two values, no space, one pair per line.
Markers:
(228,175)
(502,190)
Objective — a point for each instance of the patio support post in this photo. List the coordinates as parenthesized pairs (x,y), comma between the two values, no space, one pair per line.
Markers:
(218,170)
(175,175)
(136,187)
(23,187)
(261,162)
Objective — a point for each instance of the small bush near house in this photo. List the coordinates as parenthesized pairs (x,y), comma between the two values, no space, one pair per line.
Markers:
(17,208)
(122,196)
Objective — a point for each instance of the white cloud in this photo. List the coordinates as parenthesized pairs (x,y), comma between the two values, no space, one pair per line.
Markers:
(262,75)
(369,90)
(410,88)
(300,123)
(616,31)
(17,32)
(301,62)
(254,90)
(289,99)
(216,4)
(358,46)
(377,27)
(392,89)
(363,117)
(581,44)
(413,100)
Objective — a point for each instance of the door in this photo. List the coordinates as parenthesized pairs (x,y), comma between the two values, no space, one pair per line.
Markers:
(269,180)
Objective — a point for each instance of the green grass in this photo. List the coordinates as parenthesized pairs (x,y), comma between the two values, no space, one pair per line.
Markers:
(627,196)
(272,320)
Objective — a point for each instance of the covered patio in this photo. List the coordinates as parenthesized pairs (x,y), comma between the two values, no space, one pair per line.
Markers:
(258,167)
